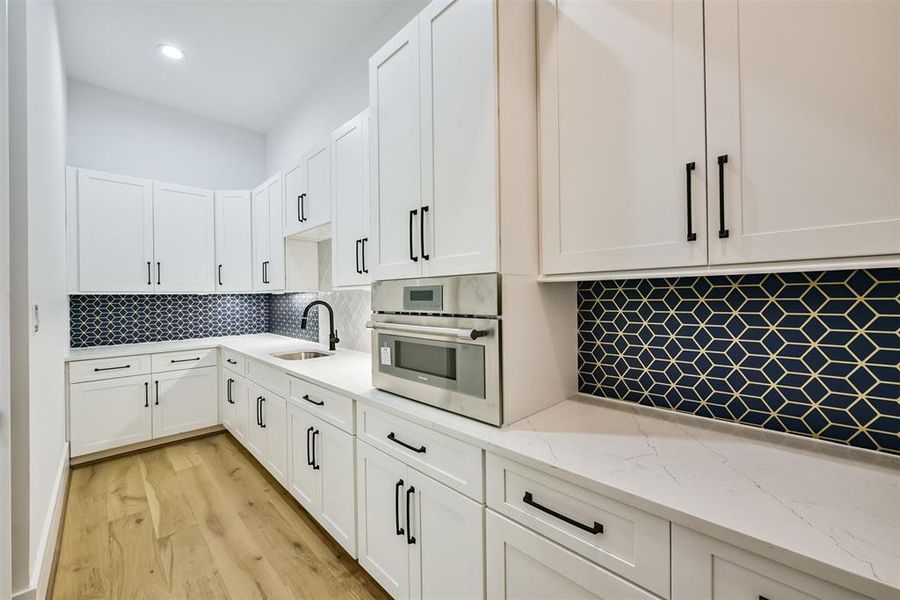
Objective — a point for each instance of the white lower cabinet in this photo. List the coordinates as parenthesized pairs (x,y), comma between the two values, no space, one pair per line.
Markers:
(233,403)
(109,413)
(417,537)
(266,435)
(523,564)
(184,400)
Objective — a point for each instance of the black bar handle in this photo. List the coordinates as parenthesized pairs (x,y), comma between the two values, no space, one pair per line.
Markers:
(258,420)
(149,276)
(228,390)
(412,253)
(230,361)
(158,275)
(722,160)
(410,538)
(302,197)
(220,275)
(391,436)
(358,244)
(688,169)
(146,394)
(300,208)
(99,369)
(364,269)
(181,360)
(262,412)
(399,530)
(595,529)
(314,462)
(311,401)
(156,386)
(265,271)
(309,460)
(422,233)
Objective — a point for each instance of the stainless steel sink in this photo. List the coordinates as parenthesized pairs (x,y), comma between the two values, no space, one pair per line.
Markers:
(305,355)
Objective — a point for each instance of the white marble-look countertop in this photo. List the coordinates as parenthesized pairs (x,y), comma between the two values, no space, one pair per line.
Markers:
(831,511)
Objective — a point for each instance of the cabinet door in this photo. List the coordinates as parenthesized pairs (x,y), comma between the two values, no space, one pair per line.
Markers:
(184,244)
(109,413)
(522,564)
(802,100)
(446,533)
(394,160)
(333,454)
(274,418)
(294,195)
(622,135)
(184,401)
(239,393)
(317,203)
(459,138)
(304,480)
(227,382)
(383,548)
(115,233)
(275,268)
(261,237)
(350,202)
(256,439)
(234,242)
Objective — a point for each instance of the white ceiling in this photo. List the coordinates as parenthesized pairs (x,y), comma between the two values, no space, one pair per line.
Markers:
(248,61)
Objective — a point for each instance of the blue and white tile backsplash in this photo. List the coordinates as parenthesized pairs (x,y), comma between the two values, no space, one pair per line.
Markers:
(815,354)
(285,312)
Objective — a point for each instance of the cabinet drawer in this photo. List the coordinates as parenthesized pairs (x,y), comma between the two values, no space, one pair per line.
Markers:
(234,361)
(325,404)
(186,359)
(271,378)
(704,568)
(454,463)
(619,537)
(108,368)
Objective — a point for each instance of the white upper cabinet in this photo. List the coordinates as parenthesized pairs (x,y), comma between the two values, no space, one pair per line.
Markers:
(114,234)
(183,238)
(458,216)
(350,202)
(395,157)
(294,192)
(268,239)
(234,255)
(307,195)
(622,151)
(802,99)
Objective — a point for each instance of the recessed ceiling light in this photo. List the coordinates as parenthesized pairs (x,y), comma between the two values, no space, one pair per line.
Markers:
(171,51)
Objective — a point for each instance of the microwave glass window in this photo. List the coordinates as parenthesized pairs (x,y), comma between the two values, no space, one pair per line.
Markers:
(438,361)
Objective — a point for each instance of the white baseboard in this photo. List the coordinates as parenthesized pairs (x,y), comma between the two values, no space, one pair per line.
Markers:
(50,534)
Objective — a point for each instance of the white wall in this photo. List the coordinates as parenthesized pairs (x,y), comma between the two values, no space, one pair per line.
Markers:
(343,93)
(109,131)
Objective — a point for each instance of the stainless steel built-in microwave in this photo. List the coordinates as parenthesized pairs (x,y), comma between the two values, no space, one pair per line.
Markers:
(437,341)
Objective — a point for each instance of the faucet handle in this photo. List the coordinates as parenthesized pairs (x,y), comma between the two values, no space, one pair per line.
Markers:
(336,338)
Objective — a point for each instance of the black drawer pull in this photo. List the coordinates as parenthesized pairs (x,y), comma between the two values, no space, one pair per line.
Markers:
(723,233)
(230,362)
(181,360)
(397,487)
(99,369)
(597,528)
(393,438)
(688,169)
(311,401)
(410,538)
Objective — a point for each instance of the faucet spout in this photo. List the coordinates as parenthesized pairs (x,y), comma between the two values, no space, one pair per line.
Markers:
(332,332)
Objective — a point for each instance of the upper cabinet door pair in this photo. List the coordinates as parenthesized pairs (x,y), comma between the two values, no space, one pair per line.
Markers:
(433,144)
(796,157)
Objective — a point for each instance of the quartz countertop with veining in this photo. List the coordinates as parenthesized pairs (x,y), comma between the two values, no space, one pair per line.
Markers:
(828,510)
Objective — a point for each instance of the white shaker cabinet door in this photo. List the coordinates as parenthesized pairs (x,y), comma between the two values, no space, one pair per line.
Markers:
(294,182)
(622,135)
(316,205)
(184,244)
(334,455)
(256,440)
(458,217)
(109,413)
(394,156)
(802,104)
(268,236)
(304,480)
(234,242)
(115,233)
(350,202)
(274,418)
(184,400)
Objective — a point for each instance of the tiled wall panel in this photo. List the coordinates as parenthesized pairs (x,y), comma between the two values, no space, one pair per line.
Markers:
(814,354)
(285,312)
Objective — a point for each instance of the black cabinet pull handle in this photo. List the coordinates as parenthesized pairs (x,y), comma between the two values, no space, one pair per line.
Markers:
(149,276)
(422,233)
(265,267)
(262,413)
(722,160)
(398,529)
(220,275)
(311,401)
(99,369)
(228,391)
(358,244)
(181,360)
(315,464)
(391,436)
(309,460)
(230,362)
(302,197)
(761,597)
(364,269)
(146,394)
(156,385)
(258,420)
(412,216)
(688,169)
(595,529)
(300,208)
(158,275)
(410,538)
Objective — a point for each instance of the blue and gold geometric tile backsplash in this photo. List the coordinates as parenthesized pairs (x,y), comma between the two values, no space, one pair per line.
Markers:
(815,354)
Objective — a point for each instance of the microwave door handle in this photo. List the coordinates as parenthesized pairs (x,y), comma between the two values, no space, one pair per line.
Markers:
(463,334)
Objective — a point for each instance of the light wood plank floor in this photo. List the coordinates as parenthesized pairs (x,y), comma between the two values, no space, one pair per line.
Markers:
(197,519)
